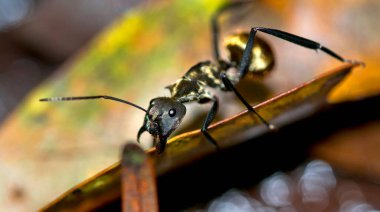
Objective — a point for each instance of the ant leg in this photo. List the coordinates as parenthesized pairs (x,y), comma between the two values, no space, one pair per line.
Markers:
(210,117)
(215,29)
(244,63)
(231,87)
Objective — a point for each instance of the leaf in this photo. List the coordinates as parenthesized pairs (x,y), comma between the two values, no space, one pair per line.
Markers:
(73,141)
(281,110)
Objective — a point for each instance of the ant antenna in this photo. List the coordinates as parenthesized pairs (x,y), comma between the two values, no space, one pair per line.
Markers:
(58,99)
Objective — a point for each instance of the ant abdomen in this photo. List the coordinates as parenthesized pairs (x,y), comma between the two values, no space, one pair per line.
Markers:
(262,58)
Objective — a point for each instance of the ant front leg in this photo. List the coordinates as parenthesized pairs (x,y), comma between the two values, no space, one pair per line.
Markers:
(210,117)
(245,61)
(229,86)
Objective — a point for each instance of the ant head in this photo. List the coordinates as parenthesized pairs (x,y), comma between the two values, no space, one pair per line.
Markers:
(162,117)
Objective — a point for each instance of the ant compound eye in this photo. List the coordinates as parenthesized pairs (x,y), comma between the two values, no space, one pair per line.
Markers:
(172,112)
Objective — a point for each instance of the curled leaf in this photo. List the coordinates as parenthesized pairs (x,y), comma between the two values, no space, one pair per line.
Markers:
(280,110)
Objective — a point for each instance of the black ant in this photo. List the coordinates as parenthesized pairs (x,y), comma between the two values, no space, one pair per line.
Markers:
(247,54)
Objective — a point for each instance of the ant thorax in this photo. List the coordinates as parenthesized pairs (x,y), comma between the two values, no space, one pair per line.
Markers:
(193,85)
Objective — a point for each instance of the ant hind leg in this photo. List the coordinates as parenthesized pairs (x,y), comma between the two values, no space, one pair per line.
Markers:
(301,41)
(215,28)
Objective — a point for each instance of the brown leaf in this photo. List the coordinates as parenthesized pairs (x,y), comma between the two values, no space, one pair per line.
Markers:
(281,110)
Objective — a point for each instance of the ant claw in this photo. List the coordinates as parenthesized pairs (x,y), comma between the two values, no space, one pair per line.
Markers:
(355,62)
(272,127)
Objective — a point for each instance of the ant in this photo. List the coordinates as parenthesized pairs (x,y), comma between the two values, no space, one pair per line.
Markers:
(248,54)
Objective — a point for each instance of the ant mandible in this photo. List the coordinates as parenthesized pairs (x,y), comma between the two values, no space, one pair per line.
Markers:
(164,114)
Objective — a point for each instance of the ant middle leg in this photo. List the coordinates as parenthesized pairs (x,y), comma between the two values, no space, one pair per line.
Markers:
(229,86)
(210,117)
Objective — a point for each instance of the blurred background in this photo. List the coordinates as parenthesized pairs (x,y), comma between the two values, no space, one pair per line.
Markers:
(121,48)
(36,37)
